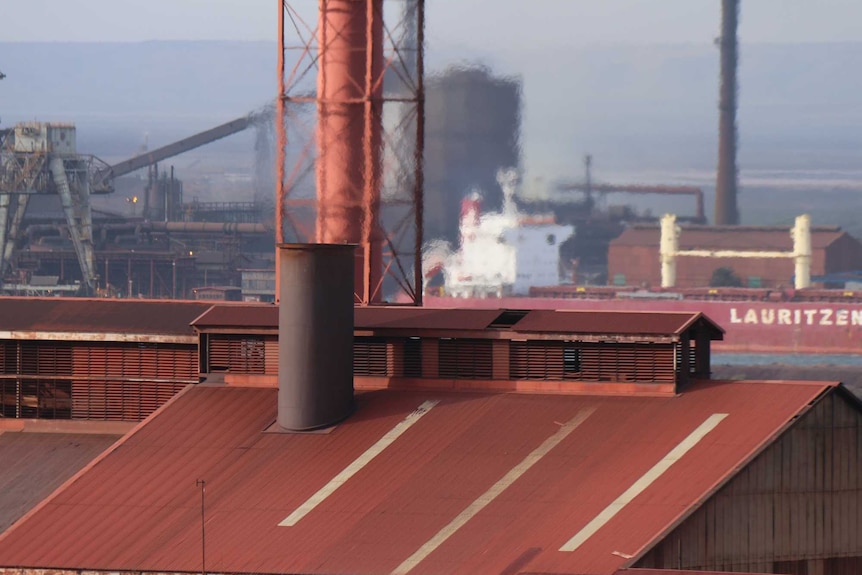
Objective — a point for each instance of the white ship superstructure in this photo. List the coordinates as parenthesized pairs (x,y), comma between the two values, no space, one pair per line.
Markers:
(503,253)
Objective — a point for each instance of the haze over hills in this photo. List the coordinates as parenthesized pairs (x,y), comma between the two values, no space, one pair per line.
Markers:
(644,112)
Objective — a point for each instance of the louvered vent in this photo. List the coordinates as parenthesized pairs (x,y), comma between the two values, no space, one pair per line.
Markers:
(544,360)
(238,354)
(8,357)
(370,357)
(92,380)
(9,397)
(387,357)
(465,359)
(119,400)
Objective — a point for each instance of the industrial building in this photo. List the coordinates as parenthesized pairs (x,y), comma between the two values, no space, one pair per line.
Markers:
(94,360)
(633,257)
(319,437)
(502,441)
(57,237)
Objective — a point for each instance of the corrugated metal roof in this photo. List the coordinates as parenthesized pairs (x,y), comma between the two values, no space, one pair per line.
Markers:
(138,508)
(266,316)
(150,317)
(423,318)
(34,464)
(410,318)
(728,238)
(253,315)
(615,322)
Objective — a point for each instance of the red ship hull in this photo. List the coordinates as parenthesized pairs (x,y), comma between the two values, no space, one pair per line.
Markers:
(750,326)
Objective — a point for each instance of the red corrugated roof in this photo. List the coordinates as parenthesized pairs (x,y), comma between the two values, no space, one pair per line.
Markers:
(266,316)
(424,318)
(247,316)
(615,322)
(144,317)
(409,318)
(728,238)
(138,508)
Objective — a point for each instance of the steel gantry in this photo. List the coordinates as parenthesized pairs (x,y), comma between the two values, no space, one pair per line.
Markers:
(350,129)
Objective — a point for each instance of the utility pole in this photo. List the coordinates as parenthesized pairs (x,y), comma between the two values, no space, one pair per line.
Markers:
(203,485)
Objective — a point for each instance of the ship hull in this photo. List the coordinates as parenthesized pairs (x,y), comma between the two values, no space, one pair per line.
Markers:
(823,328)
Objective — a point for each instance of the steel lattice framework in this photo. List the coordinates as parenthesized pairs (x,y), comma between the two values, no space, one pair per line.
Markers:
(350,129)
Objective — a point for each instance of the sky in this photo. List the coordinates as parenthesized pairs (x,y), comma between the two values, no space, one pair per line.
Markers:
(554,47)
(525,24)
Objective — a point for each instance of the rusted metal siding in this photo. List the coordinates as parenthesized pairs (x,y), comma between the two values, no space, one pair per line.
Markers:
(796,508)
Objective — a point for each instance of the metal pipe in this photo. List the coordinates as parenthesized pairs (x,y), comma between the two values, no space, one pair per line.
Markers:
(372,259)
(801,233)
(217,227)
(419,152)
(668,248)
(281,152)
(315,335)
(726,211)
(203,485)
(349,92)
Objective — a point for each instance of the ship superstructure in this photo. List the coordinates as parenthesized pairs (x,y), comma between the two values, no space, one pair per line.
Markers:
(502,253)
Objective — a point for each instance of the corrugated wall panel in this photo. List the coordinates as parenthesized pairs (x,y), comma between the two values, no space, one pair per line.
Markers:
(796,507)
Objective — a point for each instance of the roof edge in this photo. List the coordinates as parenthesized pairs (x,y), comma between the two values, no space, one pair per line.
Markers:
(826,388)
(96,336)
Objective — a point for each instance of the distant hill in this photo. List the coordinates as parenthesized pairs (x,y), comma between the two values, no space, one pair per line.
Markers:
(631,106)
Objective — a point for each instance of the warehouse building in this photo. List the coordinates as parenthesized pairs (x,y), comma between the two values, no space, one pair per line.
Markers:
(456,458)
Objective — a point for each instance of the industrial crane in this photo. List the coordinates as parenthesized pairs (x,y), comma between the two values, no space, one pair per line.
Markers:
(42,158)
(588,187)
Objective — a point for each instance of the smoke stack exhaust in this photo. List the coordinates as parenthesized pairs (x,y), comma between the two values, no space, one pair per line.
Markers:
(726,211)
(315,335)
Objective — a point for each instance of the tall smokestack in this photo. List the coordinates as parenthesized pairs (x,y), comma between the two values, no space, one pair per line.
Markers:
(349,133)
(726,211)
(315,335)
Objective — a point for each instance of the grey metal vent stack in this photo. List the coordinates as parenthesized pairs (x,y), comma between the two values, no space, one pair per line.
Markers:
(315,334)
